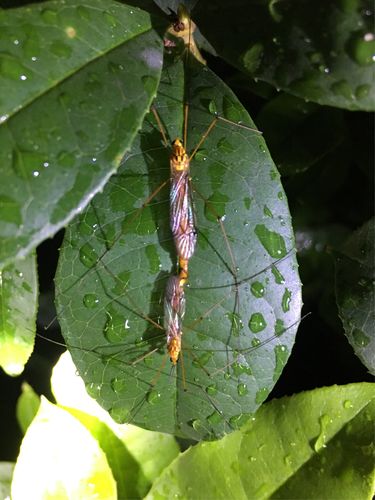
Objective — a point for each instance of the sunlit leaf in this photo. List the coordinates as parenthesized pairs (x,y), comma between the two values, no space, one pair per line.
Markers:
(18,296)
(317,444)
(59,458)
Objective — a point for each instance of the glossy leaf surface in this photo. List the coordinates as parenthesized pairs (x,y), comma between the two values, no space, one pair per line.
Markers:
(117,257)
(70,464)
(76,81)
(317,444)
(355,274)
(320,51)
(18,306)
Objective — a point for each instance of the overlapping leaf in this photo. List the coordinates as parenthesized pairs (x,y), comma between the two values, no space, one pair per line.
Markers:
(76,81)
(320,51)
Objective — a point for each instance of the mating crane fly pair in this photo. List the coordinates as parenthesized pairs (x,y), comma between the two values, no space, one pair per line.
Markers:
(182,221)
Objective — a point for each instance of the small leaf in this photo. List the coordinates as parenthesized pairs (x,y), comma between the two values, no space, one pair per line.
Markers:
(6,472)
(317,444)
(78,80)
(27,406)
(355,274)
(59,458)
(320,51)
(18,296)
(153,451)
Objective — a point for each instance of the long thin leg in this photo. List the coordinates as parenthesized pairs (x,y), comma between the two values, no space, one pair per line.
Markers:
(160,125)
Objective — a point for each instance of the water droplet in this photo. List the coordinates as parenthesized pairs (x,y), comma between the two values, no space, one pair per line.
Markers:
(91,300)
(203,359)
(119,414)
(288,460)
(114,326)
(88,255)
(261,395)
(281,357)
(153,397)
(237,421)
(362,91)
(225,146)
(348,404)
(211,390)
(247,203)
(320,442)
(36,173)
(118,384)
(83,12)
(361,48)
(257,323)
(267,212)
(279,327)
(280,195)
(236,323)
(240,369)
(252,58)
(197,425)
(60,49)
(215,206)
(342,89)
(273,242)
(242,389)
(215,418)
(49,16)
(255,342)
(212,107)
(359,337)
(93,389)
(285,301)
(257,289)
(279,278)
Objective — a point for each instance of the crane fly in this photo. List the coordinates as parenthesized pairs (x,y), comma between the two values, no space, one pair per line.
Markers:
(119,262)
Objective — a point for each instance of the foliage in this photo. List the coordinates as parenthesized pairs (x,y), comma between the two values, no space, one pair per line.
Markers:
(79,146)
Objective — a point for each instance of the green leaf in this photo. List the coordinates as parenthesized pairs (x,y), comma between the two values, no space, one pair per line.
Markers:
(355,273)
(317,444)
(6,472)
(153,451)
(299,133)
(127,472)
(78,80)
(320,51)
(117,257)
(27,406)
(18,296)
(59,458)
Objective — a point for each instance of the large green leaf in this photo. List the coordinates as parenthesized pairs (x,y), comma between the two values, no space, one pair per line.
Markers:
(355,274)
(117,256)
(18,306)
(76,80)
(317,444)
(321,51)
